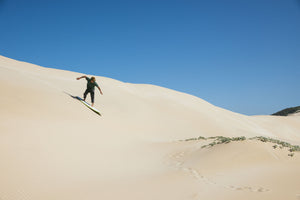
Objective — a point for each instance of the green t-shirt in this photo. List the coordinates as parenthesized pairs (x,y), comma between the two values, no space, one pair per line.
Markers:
(90,85)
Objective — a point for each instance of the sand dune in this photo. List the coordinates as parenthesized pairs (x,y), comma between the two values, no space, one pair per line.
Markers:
(53,147)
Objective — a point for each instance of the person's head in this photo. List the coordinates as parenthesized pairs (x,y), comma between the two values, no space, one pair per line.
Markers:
(93,79)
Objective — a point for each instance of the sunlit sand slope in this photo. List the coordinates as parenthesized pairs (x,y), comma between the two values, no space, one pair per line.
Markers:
(54,147)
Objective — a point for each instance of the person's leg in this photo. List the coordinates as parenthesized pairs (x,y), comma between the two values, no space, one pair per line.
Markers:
(92,97)
(85,93)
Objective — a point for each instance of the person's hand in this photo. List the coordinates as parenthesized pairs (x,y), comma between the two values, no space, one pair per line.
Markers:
(77,78)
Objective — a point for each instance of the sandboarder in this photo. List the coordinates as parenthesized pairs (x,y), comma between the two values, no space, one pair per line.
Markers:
(90,87)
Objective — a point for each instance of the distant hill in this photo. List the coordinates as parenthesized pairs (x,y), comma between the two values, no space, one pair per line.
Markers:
(287,111)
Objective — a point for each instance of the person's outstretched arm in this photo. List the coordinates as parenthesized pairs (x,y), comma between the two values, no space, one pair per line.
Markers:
(81,77)
(100,90)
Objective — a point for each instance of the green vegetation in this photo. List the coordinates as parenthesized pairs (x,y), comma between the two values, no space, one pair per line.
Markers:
(218,139)
(225,140)
(287,111)
(282,144)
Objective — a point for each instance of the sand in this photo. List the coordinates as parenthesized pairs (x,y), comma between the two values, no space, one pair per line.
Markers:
(54,147)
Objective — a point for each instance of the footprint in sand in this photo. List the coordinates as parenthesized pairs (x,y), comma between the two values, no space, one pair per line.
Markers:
(195,174)
(251,189)
(178,164)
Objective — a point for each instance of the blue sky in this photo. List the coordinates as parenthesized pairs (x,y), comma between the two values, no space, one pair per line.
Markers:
(242,55)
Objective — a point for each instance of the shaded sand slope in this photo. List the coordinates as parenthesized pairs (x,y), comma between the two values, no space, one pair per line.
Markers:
(53,147)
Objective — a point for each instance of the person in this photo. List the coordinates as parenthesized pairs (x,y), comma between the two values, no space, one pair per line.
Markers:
(90,87)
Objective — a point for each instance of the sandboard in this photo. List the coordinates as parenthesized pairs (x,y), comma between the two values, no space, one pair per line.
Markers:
(88,105)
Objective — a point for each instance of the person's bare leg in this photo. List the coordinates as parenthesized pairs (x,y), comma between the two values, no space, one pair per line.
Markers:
(92,104)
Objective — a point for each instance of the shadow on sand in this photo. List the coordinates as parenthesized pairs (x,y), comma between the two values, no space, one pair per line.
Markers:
(85,103)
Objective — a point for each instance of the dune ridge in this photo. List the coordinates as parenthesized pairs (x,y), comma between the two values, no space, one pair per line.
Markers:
(53,147)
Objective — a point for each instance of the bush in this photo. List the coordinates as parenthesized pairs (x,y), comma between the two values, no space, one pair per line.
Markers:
(287,111)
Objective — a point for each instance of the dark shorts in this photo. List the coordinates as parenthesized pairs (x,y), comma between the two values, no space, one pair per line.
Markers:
(91,92)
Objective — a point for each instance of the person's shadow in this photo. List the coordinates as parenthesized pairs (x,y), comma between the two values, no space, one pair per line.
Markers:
(85,103)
